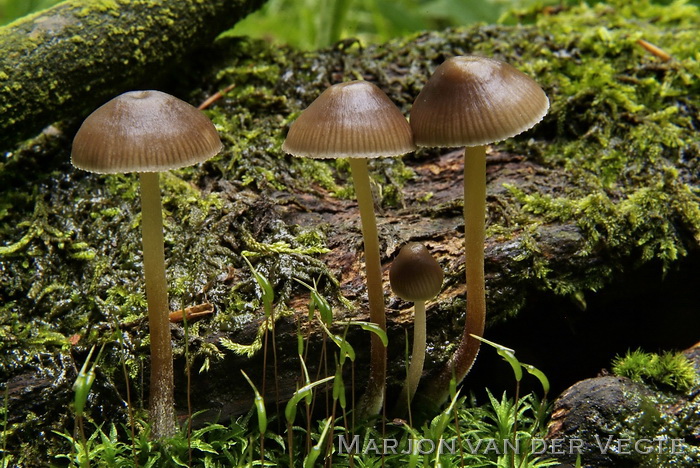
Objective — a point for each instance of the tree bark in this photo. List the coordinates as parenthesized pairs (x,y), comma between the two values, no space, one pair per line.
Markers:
(67,60)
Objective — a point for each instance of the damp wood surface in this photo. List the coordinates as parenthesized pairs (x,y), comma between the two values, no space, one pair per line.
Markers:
(606,183)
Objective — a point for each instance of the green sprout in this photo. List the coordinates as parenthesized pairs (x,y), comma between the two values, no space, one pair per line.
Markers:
(259,405)
(83,383)
(81,388)
(267,293)
(318,303)
(290,410)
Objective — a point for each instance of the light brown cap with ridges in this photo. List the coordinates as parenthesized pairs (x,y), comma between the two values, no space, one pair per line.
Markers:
(144,131)
(350,120)
(474,101)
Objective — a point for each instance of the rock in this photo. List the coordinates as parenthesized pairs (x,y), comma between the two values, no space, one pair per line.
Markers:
(614,422)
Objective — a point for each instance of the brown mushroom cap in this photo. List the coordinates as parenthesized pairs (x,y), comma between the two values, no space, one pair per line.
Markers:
(414,274)
(474,101)
(144,131)
(350,120)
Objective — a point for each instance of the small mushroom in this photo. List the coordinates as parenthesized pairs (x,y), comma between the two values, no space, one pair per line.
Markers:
(473,101)
(149,132)
(356,120)
(415,276)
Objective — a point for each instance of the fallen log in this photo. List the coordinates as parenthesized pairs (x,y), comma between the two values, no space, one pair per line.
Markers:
(66,60)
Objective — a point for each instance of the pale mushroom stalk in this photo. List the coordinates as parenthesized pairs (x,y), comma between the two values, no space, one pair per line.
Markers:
(474,238)
(374,396)
(161,394)
(464,356)
(415,369)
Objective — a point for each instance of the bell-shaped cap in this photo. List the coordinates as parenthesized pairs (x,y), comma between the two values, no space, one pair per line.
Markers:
(350,120)
(414,274)
(474,101)
(144,131)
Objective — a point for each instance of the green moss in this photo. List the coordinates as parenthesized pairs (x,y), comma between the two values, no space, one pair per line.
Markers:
(672,370)
(260,248)
(636,225)
(315,171)
(106,5)
(621,128)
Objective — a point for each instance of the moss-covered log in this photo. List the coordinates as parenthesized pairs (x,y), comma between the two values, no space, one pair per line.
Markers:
(66,60)
(608,182)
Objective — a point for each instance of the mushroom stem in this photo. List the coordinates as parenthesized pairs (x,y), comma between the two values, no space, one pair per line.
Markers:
(161,397)
(474,239)
(464,356)
(373,398)
(415,369)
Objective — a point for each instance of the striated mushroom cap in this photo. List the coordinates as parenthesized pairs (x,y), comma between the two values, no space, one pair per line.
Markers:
(474,101)
(414,274)
(350,120)
(144,131)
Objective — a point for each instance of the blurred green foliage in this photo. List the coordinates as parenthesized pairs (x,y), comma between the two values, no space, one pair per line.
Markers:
(13,9)
(311,24)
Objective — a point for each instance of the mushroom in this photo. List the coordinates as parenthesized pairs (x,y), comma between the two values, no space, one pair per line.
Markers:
(415,276)
(356,120)
(473,101)
(149,132)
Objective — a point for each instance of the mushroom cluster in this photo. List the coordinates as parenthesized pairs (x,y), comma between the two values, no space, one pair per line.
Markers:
(469,101)
(149,132)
